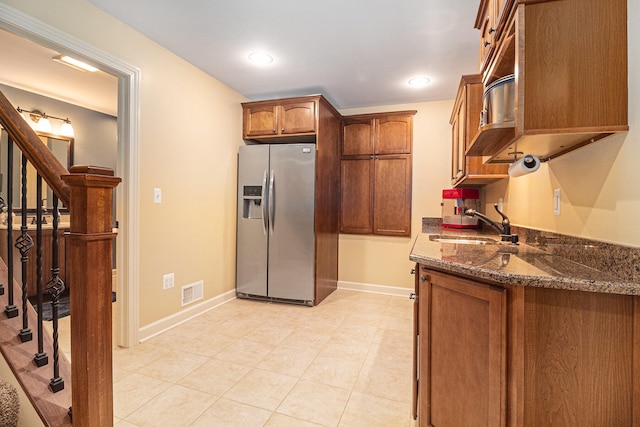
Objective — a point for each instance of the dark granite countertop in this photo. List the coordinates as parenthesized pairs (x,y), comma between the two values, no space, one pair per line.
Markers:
(522,264)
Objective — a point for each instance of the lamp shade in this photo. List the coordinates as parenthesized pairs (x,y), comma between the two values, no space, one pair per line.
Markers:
(44,125)
(66,129)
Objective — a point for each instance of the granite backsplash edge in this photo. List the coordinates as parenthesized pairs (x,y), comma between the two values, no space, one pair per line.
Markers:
(619,260)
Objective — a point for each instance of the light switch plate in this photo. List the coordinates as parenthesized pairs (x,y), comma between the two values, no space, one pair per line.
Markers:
(556,201)
(157,195)
(168,281)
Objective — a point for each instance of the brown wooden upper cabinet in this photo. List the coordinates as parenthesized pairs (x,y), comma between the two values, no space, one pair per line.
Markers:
(365,135)
(569,63)
(276,119)
(375,179)
(470,170)
(491,19)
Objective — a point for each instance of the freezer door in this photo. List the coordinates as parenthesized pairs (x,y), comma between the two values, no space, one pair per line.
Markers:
(291,228)
(252,240)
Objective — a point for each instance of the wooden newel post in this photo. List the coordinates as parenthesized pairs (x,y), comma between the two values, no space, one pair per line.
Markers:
(89,266)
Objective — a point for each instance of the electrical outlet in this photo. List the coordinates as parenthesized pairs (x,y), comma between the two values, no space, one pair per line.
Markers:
(157,195)
(167,281)
(500,204)
(556,202)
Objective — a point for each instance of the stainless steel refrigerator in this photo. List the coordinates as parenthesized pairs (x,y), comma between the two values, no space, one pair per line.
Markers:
(275,225)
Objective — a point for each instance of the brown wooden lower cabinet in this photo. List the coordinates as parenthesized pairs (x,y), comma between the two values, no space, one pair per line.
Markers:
(47,238)
(502,355)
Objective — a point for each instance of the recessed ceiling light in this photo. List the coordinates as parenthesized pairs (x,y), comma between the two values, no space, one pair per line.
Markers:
(260,58)
(419,81)
(75,63)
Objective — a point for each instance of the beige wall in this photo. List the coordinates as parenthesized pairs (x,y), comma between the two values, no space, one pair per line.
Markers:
(377,260)
(600,183)
(190,128)
(192,233)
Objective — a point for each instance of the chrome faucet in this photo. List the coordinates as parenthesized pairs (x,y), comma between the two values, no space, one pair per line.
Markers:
(43,219)
(504,230)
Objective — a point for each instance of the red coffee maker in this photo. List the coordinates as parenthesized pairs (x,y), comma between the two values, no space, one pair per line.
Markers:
(454,202)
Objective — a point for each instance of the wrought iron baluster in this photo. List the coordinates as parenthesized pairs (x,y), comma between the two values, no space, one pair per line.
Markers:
(55,288)
(24,243)
(40,358)
(2,209)
(10,310)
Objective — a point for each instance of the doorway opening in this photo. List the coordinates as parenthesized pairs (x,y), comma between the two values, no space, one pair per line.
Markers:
(127,205)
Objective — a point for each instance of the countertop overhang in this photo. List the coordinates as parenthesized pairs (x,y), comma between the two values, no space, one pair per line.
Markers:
(520,264)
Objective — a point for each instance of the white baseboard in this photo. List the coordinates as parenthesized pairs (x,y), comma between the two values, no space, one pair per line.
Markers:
(375,289)
(169,322)
(147,332)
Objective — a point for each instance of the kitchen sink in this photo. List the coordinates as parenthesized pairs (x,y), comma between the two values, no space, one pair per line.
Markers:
(463,240)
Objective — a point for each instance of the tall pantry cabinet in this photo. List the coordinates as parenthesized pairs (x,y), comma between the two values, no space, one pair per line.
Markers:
(376,174)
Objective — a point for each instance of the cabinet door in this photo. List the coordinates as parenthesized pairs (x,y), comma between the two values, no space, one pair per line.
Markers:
(392,195)
(465,118)
(485,24)
(415,381)
(464,355)
(298,117)
(260,120)
(393,135)
(357,138)
(502,10)
(356,199)
(458,140)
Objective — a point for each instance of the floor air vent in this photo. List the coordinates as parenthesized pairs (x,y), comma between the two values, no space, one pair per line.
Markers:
(192,292)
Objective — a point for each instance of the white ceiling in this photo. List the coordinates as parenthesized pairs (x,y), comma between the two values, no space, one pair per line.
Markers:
(357,53)
(28,66)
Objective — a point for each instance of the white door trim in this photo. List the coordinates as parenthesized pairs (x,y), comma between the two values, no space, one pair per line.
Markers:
(127,193)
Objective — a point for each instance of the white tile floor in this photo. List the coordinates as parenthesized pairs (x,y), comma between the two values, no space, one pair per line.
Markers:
(346,362)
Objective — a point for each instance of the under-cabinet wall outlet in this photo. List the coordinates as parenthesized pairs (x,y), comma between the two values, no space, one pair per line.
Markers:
(167,281)
(500,204)
(157,195)
(556,201)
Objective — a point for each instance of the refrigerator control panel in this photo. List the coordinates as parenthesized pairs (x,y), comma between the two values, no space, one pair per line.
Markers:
(252,191)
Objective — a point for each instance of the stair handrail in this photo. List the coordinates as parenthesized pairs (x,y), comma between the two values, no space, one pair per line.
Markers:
(88,193)
(42,159)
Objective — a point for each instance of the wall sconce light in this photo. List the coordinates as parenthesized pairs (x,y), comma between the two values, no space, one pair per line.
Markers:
(43,124)
(66,129)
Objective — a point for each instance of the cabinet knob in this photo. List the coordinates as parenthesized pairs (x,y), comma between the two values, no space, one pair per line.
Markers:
(412,295)
(274,131)
(423,278)
(491,30)
(486,43)
(282,130)
(413,271)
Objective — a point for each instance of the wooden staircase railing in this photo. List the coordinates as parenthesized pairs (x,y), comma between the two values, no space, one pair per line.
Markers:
(88,193)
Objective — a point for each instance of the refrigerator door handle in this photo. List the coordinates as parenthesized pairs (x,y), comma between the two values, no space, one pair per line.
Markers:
(272,200)
(263,203)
